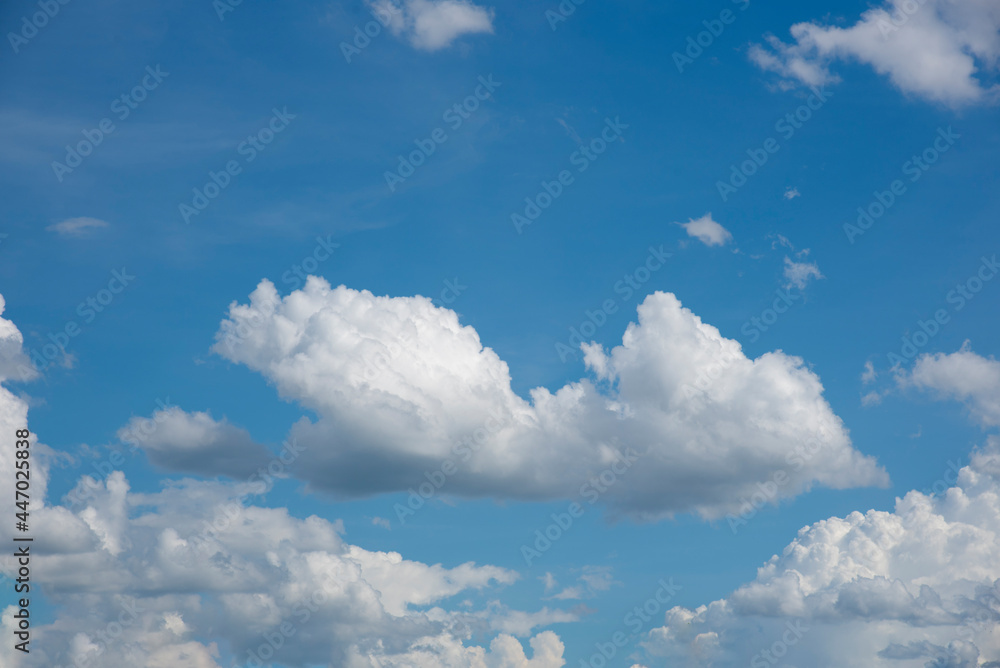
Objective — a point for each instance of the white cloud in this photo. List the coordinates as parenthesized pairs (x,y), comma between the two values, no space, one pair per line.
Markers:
(136,579)
(77,227)
(400,387)
(798,274)
(434,24)
(792,193)
(194,556)
(872,589)
(932,49)
(869,375)
(195,443)
(592,579)
(961,375)
(707,231)
(14,363)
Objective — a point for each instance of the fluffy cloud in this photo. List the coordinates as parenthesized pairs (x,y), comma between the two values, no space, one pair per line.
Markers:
(13,360)
(141,579)
(930,48)
(707,231)
(407,395)
(961,375)
(196,443)
(433,24)
(919,586)
(135,575)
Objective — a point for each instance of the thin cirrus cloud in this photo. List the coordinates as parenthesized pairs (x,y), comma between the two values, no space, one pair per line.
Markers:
(400,387)
(707,231)
(431,25)
(77,227)
(938,50)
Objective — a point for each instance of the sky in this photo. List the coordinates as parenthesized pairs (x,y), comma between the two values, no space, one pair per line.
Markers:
(423,333)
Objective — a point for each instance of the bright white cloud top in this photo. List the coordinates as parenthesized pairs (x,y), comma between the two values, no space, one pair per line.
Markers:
(433,24)
(919,586)
(707,231)
(933,49)
(406,395)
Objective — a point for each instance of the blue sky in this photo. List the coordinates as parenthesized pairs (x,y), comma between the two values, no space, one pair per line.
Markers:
(798,200)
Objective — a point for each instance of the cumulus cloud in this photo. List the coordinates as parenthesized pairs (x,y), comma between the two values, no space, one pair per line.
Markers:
(962,375)
(13,360)
(707,231)
(400,387)
(919,586)
(798,274)
(936,49)
(196,555)
(433,24)
(77,227)
(196,443)
(139,579)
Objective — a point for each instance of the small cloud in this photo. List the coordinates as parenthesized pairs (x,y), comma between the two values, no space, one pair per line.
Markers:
(869,375)
(871,399)
(781,240)
(798,274)
(918,433)
(77,227)
(381,522)
(433,24)
(792,193)
(570,131)
(593,578)
(707,231)
(550,582)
